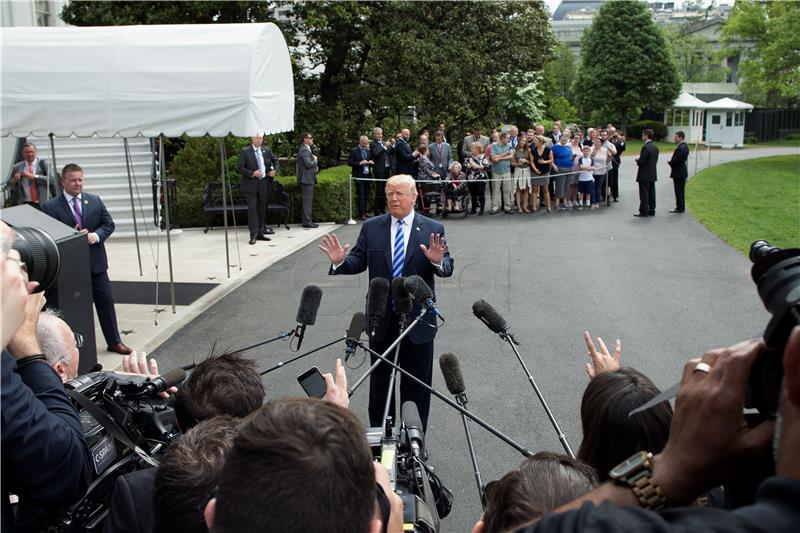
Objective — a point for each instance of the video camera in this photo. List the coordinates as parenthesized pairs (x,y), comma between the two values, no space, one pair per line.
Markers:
(401,450)
(127,425)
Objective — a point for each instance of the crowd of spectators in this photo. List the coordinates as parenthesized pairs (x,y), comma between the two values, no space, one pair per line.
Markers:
(301,465)
(524,171)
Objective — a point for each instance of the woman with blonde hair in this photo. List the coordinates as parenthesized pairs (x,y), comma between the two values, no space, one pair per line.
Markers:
(522,176)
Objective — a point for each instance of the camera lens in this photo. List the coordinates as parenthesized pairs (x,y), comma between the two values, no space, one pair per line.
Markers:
(40,254)
(760,249)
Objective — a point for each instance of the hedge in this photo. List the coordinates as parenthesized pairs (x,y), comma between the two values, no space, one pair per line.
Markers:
(659,129)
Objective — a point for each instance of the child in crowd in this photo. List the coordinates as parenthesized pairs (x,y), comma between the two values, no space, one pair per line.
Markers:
(585,179)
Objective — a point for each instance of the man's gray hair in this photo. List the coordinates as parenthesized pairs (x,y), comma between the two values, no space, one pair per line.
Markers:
(50,340)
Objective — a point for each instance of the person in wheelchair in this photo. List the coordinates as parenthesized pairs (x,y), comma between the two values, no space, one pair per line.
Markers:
(455,188)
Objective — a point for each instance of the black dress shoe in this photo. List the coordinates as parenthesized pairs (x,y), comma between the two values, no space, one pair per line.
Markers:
(263,238)
(676,210)
(312,225)
(651,213)
(269,231)
(252,241)
(642,215)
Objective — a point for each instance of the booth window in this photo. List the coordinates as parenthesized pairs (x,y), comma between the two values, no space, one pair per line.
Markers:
(728,118)
(715,119)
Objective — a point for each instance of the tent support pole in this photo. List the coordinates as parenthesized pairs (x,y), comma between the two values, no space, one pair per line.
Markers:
(55,168)
(224,205)
(233,213)
(166,219)
(133,206)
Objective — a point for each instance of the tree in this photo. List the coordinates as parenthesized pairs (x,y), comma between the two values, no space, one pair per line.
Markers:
(557,78)
(634,70)
(694,57)
(120,13)
(771,68)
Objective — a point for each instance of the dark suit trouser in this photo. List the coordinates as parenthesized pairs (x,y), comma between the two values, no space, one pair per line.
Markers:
(477,191)
(416,359)
(307,199)
(647,197)
(680,189)
(104,303)
(613,181)
(380,190)
(362,193)
(257,208)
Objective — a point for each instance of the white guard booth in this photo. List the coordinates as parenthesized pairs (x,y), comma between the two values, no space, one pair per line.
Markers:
(686,114)
(725,122)
(154,81)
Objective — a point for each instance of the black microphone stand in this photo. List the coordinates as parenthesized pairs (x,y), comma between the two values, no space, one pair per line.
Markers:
(282,336)
(521,449)
(394,345)
(295,358)
(390,391)
(461,399)
(508,337)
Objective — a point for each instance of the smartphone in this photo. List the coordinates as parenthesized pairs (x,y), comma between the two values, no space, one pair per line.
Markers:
(312,382)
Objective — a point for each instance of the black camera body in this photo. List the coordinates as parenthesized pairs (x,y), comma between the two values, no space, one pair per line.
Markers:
(125,430)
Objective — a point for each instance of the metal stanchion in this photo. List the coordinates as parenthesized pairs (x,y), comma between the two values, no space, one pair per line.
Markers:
(350,221)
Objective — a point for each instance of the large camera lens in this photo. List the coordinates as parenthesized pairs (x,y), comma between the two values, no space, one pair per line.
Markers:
(40,254)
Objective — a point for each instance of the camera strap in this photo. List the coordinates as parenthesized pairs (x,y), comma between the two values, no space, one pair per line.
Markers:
(110,425)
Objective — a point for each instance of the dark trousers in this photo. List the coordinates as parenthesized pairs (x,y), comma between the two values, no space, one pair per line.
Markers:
(477,190)
(363,189)
(380,190)
(104,303)
(680,189)
(257,208)
(613,181)
(416,359)
(599,188)
(647,197)
(307,199)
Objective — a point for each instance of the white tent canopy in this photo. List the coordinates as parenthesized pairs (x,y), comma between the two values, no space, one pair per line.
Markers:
(729,104)
(686,100)
(146,80)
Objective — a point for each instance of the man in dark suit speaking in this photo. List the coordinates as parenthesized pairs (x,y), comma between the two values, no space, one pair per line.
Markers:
(646,175)
(86,213)
(679,170)
(258,166)
(399,243)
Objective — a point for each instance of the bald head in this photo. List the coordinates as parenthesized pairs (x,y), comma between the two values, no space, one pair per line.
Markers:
(58,344)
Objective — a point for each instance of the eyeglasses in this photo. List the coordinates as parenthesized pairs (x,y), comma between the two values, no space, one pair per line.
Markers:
(78,345)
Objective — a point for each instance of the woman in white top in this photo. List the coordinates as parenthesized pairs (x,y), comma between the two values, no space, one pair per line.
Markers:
(600,156)
(522,162)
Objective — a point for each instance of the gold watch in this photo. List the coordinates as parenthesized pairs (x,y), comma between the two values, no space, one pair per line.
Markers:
(636,473)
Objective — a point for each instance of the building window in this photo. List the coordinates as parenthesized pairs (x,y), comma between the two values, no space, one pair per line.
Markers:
(42,12)
(740,118)
(715,119)
(728,118)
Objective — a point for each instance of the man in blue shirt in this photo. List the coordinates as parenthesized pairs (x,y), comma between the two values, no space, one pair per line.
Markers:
(501,154)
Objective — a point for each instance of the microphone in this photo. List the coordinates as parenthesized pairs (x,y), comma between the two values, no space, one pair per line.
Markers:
(377,300)
(152,386)
(357,325)
(493,320)
(422,293)
(307,312)
(451,371)
(403,304)
(416,436)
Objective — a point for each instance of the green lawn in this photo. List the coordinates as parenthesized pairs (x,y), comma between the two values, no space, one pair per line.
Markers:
(781,143)
(748,200)
(634,146)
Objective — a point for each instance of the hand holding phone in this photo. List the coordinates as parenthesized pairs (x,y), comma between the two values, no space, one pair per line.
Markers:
(312,382)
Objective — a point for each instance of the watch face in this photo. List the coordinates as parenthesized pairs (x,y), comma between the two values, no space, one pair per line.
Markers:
(631,464)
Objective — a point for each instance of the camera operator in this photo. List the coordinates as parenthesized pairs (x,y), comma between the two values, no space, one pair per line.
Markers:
(45,460)
(709,444)
(59,344)
(300,465)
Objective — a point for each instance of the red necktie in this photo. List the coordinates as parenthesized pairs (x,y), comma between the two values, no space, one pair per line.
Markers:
(32,186)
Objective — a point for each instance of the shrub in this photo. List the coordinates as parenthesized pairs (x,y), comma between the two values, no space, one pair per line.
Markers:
(750,139)
(330,195)
(793,137)
(658,127)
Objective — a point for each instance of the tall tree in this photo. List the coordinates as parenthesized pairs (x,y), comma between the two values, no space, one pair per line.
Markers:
(638,71)
(120,13)
(770,68)
(694,57)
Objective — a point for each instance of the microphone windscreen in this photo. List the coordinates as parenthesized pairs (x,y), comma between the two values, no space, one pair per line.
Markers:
(402,299)
(410,415)
(173,377)
(418,289)
(377,297)
(357,326)
(489,316)
(451,371)
(309,305)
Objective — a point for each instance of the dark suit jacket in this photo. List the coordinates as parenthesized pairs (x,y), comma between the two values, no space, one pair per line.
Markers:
(353,159)
(45,458)
(95,218)
(131,508)
(373,251)
(678,163)
(307,166)
(404,157)
(380,153)
(648,159)
(44,181)
(248,164)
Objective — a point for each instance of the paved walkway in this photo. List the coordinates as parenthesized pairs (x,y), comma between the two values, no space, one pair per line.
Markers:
(665,285)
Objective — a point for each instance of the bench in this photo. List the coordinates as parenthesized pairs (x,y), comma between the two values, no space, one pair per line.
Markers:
(236,204)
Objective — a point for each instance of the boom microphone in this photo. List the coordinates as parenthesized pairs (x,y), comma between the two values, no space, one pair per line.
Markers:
(357,325)
(152,386)
(416,436)
(377,299)
(422,293)
(307,312)
(401,298)
(493,320)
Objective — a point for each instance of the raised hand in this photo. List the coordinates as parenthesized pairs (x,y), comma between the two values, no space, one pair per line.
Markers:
(435,249)
(601,361)
(333,248)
